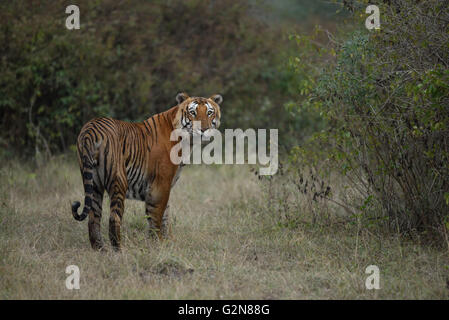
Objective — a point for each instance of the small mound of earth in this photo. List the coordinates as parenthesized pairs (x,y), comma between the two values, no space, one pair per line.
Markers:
(169,268)
(172,268)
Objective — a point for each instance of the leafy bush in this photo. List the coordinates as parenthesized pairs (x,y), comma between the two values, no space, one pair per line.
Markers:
(128,61)
(385,98)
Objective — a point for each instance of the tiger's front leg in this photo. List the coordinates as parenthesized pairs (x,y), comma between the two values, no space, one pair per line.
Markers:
(166,227)
(156,210)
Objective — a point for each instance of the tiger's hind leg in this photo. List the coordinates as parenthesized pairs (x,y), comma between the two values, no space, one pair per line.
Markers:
(153,223)
(95,218)
(117,195)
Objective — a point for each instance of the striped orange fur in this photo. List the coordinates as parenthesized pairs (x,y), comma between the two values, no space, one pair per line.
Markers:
(132,160)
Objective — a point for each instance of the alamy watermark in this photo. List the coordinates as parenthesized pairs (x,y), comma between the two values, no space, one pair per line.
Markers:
(73,20)
(73,280)
(373,280)
(194,146)
(372,21)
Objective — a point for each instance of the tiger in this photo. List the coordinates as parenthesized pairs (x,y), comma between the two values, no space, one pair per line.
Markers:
(132,161)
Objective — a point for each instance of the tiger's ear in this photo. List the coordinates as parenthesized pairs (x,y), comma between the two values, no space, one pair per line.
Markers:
(217,98)
(181,97)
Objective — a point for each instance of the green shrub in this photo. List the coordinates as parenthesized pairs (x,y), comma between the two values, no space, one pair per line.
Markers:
(385,98)
(129,60)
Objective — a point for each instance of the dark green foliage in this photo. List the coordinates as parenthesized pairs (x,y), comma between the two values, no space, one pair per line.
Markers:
(129,60)
(385,99)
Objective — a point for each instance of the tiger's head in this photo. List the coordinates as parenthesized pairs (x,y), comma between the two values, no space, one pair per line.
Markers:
(204,110)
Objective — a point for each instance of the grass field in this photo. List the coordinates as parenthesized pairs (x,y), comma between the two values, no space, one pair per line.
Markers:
(226,244)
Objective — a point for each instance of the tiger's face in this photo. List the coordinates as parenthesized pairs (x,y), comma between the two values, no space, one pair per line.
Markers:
(206,111)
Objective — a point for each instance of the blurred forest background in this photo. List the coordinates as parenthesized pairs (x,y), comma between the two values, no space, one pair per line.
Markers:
(130,58)
(371,106)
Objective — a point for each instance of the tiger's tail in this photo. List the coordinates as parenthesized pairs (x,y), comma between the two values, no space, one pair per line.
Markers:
(87,173)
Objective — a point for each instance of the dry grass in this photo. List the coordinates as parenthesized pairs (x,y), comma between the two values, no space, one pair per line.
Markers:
(226,245)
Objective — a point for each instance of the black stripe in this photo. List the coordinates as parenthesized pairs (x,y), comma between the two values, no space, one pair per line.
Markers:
(116,203)
(98,130)
(106,122)
(105,163)
(151,130)
(88,188)
(97,203)
(124,145)
(87,175)
(155,130)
